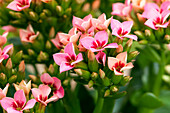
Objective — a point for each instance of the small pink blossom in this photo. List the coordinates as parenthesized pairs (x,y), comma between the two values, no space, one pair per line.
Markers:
(18,104)
(67,59)
(121,9)
(3,38)
(72,36)
(3,53)
(98,43)
(41,94)
(56,41)
(82,24)
(101,23)
(9,28)
(18,5)
(122,30)
(101,57)
(55,83)
(118,64)
(28,35)
(4,92)
(138,4)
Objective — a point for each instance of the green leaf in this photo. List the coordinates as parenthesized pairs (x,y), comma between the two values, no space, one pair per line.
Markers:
(149,100)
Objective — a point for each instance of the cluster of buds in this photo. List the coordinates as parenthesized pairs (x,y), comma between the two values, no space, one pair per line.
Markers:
(98,58)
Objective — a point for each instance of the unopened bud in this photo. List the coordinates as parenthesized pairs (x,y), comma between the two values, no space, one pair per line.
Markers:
(101,73)
(150,35)
(9,64)
(133,55)
(65,4)
(125,80)
(119,49)
(33,78)
(16,15)
(107,93)
(66,82)
(94,75)
(59,10)
(90,84)
(33,16)
(31,52)
(114,89)
(51,69)
(17,58)
(167,38)
(52,32)
(81,65)
(68,11)
(2,77)
(143,42)
(48,45)
(42,57)
(47,12)
(12,79)
(116,79)
(34,85)
(106,81)
(22,66)
(128,45)
(92,62)
(85,74)
(140,34)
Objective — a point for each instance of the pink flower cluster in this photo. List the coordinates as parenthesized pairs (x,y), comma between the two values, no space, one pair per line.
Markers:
(90,34)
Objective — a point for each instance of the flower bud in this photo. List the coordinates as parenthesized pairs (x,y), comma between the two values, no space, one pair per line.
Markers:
(133,55)
(16,15)
(76,4)
(159,33)
(52,32)
(114,89)
(125,80)
(9,64)
(116,79)
(3,78)
(150,35)
(92,62)
(107,93)
(42,56)
(17,58)
(81,65)
(101,73)
(65,3)
(22,66)
(59,10)
(51,69)
(12,79)
(106,81)
(47,12)
(68,11)
(128,45)
(143,42)
(48,45)
(83,73)
(43,15)
(167,38)
(90,84)
(34,85)
(140,34)
(94,76)
(66,82)
(33,78)
(33,16)
(31,52)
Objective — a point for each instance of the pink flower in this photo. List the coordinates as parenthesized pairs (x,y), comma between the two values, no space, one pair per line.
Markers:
(101,57)
(158,19)
(118,64)
(67,59)
(3,53)
(4,92)
(3,38)
(121,9)
(28,35)
(72,36)
(18,5)
(101,23)
(122,30)
(9,28)
(41,94)
(138,4)
(98,43)
(82,24)
(54,82)
(151,7)
(17,105)
(56,41)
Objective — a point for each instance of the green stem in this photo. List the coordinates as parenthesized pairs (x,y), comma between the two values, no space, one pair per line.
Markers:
(158,80)
(36,71)
(99,104)
(108,105)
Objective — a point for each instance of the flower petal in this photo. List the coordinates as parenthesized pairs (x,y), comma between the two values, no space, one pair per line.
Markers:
(57,83)
(36,93)
(46,79)
(122,57)
(53,98)
(65,67)
(7,102)
(70,50)
(79,58)
(45,89)
(111,62)
(102,37)
(134,37)
(30,104)
(101,58)
(60,57)
(7,48)
(59,92)
(150,24)
(13,110)
(87,42)
(127,25)
(128,66)
(112,45)
(20,98)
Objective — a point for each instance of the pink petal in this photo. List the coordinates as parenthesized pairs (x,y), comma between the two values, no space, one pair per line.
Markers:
(86,25)
(122,57)
(126,10)
(163,25)
(46,79)
(60,57)
(149,6)
(5,34)
(127,25)
(165,5)
(53,98)
(117,73)
(5,90)
(3,40)
(117,9)
(128,66)
(45,89)
(111,62)
(64,38)
(20,98)
(152,13)
(102,37)
(9,28)
(79,58)
(70,50)
(96,50)
(65,67)
(77,21)
(102,17)
(87,42)
(107,22)
(30,104)
(57,42)
(59,93)
(74,38)
(86,18)
(112,45)
(57,83)
(30,29)
(13,6)
(101,58)
(7,48)
(115,24)
(72,31)
(134,37)
(150,24)
(36,93)
(13,110)
(7,102)
(165,14)
(2,95)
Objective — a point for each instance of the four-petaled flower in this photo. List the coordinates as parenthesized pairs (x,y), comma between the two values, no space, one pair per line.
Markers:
(28,35)
(98,43)
(54,82)
(3,53)
(3,38)
(118,64)
(67,59)
(122,30)
(4,92)
(41,94)
(18,104)
(18,5)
